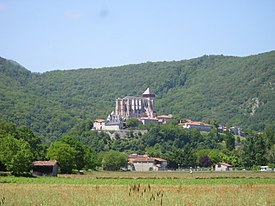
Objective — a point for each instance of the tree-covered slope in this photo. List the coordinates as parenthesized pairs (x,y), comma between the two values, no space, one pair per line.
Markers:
(232,90)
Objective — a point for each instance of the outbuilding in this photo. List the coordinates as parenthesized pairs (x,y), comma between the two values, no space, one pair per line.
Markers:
(223,167)
(45,168)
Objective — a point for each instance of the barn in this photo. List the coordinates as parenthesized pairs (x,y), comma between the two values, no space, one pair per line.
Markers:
(45,168)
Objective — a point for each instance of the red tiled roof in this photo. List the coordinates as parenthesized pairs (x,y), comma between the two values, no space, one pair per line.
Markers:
(165,117)
(196,123)
(44,163)
(136,156)
(149,118)
(143,158)
(225,164)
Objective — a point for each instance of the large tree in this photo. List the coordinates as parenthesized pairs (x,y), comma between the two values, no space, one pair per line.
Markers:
(271,155)
(37,148)
(114,160)
(269,135)
(90,158)
(229,140)
(254,150)
(205,161)
(183,157)
(79,148)
(84,157)
(64,154)
(215,155)
(15,154)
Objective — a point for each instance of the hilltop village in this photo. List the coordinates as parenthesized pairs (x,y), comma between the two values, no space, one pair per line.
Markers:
(142,108)
(112,144)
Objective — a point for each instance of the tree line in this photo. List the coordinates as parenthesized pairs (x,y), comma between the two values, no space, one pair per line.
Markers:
(82,148)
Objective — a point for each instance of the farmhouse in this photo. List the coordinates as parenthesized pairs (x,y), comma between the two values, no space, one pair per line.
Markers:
(164,119)
(197,125)
(223,167)
(144,163)
(45,168)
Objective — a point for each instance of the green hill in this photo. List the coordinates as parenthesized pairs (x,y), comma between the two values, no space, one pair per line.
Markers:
(232,90)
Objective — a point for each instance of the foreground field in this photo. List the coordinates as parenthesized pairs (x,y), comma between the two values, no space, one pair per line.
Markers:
(141,189)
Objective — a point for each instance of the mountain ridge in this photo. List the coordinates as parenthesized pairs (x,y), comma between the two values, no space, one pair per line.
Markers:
(232,90)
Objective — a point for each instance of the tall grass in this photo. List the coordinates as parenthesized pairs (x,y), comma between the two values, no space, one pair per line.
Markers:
(126,181)
(137,194)
(140,189)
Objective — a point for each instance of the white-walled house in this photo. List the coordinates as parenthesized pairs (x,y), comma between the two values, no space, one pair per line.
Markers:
(164,119)
(145,163)
(197,125)
(149,120)
(112,123)
(223,167)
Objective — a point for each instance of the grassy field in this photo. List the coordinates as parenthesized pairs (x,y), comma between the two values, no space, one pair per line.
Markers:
(135,188)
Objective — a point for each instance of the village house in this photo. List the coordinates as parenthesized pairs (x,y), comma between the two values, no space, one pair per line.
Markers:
(197,125)
(45,168)
(237,131)
(112,123)
(145,163)
(149,120)
(164,119)
(223,167)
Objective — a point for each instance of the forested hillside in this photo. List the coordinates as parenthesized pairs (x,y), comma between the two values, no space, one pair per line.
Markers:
(232,90)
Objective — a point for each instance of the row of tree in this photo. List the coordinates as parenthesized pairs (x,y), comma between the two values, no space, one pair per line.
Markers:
(19,147)
(82,148)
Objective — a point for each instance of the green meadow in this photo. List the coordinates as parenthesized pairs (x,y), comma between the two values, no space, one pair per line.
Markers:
(136,188)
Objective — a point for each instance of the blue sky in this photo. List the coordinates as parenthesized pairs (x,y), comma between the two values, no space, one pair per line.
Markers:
(71,34)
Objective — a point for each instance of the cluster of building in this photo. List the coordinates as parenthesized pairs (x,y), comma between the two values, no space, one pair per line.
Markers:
(142,108)
(136,162)
(189,124)
(145,163)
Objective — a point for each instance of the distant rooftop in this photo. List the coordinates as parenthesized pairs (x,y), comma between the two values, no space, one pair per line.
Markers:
(44,163)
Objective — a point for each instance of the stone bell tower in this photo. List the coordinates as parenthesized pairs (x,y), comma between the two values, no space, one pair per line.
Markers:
(150,96)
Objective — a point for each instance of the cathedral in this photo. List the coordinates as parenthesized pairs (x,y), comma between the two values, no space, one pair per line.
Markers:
(136,107)
(142,108)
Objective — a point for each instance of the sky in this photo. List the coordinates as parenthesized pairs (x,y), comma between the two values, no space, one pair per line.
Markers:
(71,34)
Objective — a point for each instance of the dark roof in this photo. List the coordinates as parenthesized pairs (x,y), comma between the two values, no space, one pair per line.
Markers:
(45,163)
